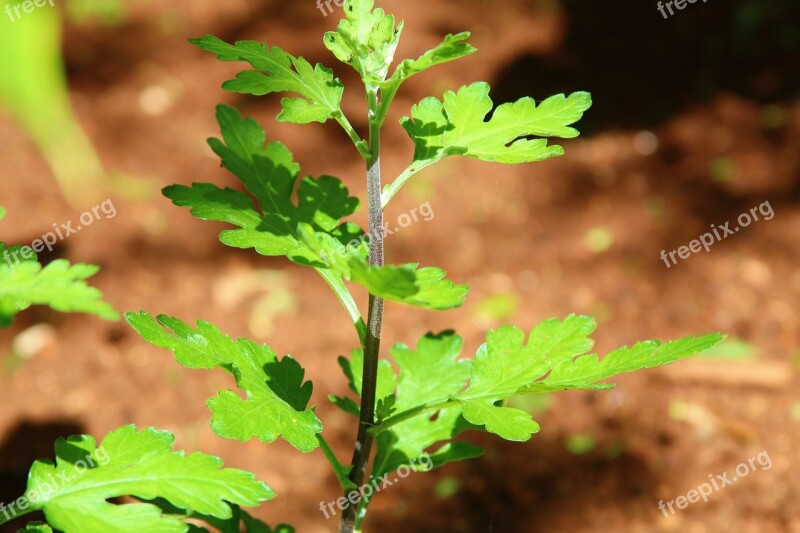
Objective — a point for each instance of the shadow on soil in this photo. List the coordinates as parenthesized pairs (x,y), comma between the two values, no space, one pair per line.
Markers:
(643,69)
(25,443)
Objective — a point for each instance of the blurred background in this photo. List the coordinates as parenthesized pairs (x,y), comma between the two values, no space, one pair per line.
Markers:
(696,120)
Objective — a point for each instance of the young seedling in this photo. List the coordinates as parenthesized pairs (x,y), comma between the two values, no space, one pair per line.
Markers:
(396,411)
(409,418)
(436,395)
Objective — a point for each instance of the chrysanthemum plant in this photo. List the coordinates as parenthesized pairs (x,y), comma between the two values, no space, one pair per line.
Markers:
(413,403)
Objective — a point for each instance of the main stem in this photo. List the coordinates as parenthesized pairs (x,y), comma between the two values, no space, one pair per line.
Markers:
(372,343)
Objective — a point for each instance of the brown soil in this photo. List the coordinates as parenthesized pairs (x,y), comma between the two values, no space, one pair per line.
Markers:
(727,125)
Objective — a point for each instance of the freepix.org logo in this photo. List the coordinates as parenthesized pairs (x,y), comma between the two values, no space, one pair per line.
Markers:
(326,6)
(42,491)
(13,8)
(15,255)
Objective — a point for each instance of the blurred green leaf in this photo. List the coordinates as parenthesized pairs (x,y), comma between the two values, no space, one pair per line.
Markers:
(58,285)
(447,487)
(732,348)
(580,444)
(497,306)
(599,239)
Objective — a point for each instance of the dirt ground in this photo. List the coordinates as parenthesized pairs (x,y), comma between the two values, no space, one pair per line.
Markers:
(690,128)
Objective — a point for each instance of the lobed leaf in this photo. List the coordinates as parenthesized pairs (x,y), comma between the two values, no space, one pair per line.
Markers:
(506,363)
(58,285)
(310,232)
(587,372)
(366,39)
(421,287)
(353,370)
(240,520)
(428,374)
(556,350)
(436,399)
(278,71)
(270,223)
(458,125)
(276,397)
(36,527)
(73,491)
(451,48)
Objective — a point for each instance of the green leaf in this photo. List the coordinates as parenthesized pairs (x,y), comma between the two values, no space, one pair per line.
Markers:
(413,439)
(353,370)
(366,39)
(36,527)
(270,225)
(432,396)
(587,372)
(345,404)
(310,232)
(73,492)
(552,359)
(271,173)
(278,71)
(505,364)
(517,132)
(508,422)
(276,397)
(385,408)
(453,47)
(435,292)
(421,287)
(239,521)
(430,374)
(454,451)
(432,371)
(59,285)
(459,126)
(253,525)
